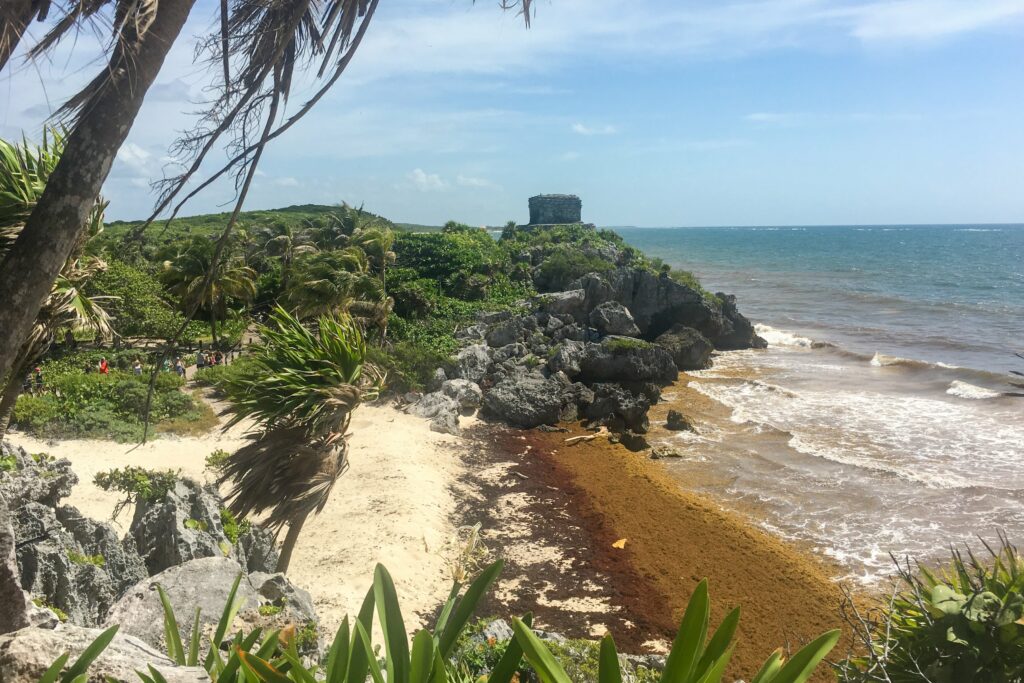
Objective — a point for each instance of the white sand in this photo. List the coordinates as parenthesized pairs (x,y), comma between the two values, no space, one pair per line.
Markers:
(393,506)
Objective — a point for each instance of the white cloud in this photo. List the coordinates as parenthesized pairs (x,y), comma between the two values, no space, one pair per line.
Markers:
(604,129)
(471,181)
(929,19)
(134,157)
(427,182)
(287,181)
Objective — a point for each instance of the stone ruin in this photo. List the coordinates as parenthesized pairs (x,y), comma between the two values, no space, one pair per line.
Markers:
(555,209)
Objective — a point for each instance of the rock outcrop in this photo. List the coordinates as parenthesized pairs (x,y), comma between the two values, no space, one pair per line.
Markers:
(526,401)
(14,614)
(690,349)
(25,656)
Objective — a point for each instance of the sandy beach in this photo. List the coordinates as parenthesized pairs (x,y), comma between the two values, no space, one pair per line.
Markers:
(393,506)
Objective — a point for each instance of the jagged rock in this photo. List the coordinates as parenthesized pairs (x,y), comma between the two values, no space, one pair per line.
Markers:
(41,617)
(203,583)
(567,357)
(510,351)
(26,654)
(15,612)
(471,363)
(63,572)
(505,333)
(183,526)
(525,401)
(257,545)
(434,404)
(277,590)
(623,359)
(121,560)
(492,317)
(631,440)
(472,333)
(664,451)
(618,408)
(612,318)
(499,630)
(35,478)
(690,349)
(678,422)
(571,332)
(572,302)
(740,333)
(465,393)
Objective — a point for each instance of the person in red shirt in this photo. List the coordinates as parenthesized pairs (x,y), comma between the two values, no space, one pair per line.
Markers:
(104,367)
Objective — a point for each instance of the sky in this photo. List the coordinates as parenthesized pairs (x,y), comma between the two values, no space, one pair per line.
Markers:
(654,112)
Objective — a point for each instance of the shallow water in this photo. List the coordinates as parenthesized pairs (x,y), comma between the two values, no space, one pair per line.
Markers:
(877,421)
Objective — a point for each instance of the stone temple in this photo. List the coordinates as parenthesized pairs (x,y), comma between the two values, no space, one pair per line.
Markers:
(555,209)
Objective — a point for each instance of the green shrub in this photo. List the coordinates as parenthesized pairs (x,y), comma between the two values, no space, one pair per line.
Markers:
(8,463)
(566,264)
(619,344)
(196,525)
(409,366)
(233,529)
(215,460)
(964,622)
(137,484)
(138,305)
(41,602)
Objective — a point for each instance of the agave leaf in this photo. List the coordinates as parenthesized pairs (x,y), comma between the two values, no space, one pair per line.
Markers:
(231,607)
(509,662)
(390,614)
(770,667)
(608,670)
(374,667)
(89,655)
(145,678)
(801,665)
(467,605)
(175,650)
(440,672)
(686,648)
(548,669)
(50,676)
(337,656)
(193,644)
(359,657)
(157,676)
(719,643)
(717,669)
(422,658)
(260,668)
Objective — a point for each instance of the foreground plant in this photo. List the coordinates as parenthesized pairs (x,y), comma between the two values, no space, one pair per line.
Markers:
(431,656)
(962,623)
(301,392)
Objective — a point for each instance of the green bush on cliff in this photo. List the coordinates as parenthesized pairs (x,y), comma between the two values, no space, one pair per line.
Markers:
(964,622)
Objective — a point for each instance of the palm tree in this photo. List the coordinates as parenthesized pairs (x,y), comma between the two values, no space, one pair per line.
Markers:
(301,394)
(24,172)
(185,277)
(329,283)
(281,240)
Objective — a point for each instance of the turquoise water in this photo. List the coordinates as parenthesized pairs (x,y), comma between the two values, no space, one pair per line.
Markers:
(881,417)
(946,293)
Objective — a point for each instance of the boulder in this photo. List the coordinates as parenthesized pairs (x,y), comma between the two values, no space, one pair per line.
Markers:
(525,400)
(505,333)
(465,393)
(677,422)
(690,349)
(441,409)
(572,302)
(439,377)
(664,451)
(184,525)
(612,318)
(257,546)
(566,358)
(204,583)
(618,408)
(121,560)
(471,363)
(25,656)
(624,359)
(446,423)
(15,612)
(35,478)
(277,590)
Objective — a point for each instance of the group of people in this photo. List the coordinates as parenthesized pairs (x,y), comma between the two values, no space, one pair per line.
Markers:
(209,359)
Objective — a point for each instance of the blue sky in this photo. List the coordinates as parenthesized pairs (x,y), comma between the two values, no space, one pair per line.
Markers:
(656,112)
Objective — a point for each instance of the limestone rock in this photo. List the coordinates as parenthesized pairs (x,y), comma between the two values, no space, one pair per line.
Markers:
(465,393)
(618,408)
(505,333)
(276,589)
(566,358)
(471,363)
(740,333)
(612,318)
(15,612)
(203,583)
(690,349)
(525,401)
(26,654)
(446,423)
(678,422)
(572,302)
(36,478)
(623,359)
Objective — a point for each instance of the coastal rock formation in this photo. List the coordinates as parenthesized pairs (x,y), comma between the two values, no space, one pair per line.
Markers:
(466,394)
(186,525)
(14,614)
(204,583)
(690,349)
(623,359)
(612,318)
(34,478)
(525,400)
(739,333)
(25,656)
(677,422)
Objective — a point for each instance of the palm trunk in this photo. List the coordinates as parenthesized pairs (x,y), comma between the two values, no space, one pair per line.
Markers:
(60,216)
(14,18)
(8,401)
(213,329)
(294,529)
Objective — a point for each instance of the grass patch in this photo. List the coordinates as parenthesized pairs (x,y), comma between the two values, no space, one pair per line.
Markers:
(78,558)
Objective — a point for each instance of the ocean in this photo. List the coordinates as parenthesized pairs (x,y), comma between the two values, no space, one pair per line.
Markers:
(878,422)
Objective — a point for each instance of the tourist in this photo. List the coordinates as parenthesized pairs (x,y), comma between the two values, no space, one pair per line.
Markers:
(38,379)
(104,366)
(179,368)
(200,360)
(136,368)
(218,358)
